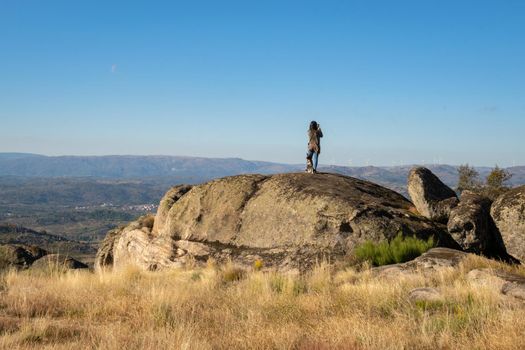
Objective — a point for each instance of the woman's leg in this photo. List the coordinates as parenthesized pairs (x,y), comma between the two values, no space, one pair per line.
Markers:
(309,163)
(309,154)
(315,159)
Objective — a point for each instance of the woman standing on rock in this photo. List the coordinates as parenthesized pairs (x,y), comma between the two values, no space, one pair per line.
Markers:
(314,147)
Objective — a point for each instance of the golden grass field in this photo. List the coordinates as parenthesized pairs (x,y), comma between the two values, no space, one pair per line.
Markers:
(223,308)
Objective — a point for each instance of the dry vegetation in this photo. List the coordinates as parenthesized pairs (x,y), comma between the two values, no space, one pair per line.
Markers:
(225,308)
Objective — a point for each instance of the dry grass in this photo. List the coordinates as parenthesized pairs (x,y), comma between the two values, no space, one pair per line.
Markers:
(225,308)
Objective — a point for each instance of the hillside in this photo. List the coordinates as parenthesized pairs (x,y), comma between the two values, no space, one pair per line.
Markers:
(76,208)
(74,191)
(188,169)
(176,169)
(15,234)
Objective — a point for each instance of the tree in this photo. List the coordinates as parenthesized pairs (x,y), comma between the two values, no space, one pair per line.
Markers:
(495,182)
(468,178)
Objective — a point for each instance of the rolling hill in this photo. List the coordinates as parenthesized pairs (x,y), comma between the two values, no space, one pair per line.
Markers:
(178,169)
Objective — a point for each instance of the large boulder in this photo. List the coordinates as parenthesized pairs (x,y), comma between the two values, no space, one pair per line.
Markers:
(19,255)
(104,255)
(508,212)
(432,198)
(173,195)
(432,260)
(286,220)
(471,225)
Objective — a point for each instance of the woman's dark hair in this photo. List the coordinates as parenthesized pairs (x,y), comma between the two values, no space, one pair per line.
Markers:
(313,125)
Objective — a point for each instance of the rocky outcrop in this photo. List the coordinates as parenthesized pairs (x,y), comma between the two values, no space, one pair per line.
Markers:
(432,198)
(104,255)
(504,283)
(436,258)
(19,255)
(433,259)
(173,195)
(468,220)
(471,225)
(508,212)
(288,221)
(57,261)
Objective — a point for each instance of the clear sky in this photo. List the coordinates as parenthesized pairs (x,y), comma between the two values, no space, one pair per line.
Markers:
(390,82)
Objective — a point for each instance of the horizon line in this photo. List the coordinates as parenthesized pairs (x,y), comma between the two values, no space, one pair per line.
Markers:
(253,160)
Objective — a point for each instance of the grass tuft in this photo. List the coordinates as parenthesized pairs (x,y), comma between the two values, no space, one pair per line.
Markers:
(231,273)
(398,250)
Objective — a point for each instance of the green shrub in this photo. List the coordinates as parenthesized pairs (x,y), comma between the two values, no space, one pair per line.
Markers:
(398,250)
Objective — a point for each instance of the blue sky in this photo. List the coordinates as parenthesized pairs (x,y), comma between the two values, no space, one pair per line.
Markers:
(390,82)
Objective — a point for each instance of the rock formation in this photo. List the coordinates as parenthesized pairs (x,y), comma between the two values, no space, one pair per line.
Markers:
(433,259)
(505,283)
(19,255)
(468,220)
(432,198)
(472,227)
(288,220)
(508,212)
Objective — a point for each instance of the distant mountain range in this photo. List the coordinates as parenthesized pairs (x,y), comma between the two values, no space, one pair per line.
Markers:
(178,169)
(23,164)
